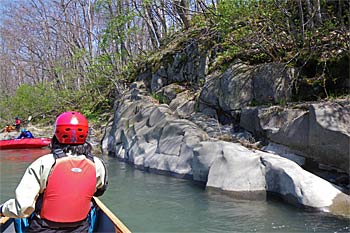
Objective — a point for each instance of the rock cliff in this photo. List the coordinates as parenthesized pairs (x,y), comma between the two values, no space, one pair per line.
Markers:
(153,137)
(234,130)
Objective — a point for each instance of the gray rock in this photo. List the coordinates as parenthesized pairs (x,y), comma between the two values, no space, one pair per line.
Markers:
(284,152)
(241,85)
(329,134)
(300,187)
(205,154)
(316,131)
(151,136)
(159,79)
(244,167)
(271,83)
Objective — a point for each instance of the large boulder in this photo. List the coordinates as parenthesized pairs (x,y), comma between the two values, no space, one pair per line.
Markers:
(183,104)
(301,188)
(147,134)
(249,173)
(242,85)
(187,65)
(238,170)
(329,134)
(318,131)
(229,90)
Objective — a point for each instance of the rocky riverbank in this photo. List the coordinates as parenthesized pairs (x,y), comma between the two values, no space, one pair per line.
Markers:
(175,139)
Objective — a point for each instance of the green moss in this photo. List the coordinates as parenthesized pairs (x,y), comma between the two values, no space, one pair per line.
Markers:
(161,98)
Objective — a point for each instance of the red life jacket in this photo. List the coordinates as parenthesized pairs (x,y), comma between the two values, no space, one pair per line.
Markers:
(70,187)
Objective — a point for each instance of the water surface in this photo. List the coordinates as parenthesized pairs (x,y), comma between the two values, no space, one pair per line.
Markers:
(148,202)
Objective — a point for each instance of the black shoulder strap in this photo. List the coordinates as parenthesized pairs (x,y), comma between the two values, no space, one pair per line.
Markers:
(91,157)
(58,153)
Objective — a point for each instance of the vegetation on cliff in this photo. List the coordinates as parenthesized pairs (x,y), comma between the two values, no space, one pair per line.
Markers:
(82,54)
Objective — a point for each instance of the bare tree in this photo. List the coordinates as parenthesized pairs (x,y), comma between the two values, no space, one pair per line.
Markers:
(62,41)
(182,8)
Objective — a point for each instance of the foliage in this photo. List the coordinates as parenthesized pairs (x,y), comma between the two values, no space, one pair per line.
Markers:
(161,98)
(29,101)
(286,32)
(91,57)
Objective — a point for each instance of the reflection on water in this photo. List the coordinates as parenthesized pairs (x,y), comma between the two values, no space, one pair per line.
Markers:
(147,202)
(22,155)
(12,166)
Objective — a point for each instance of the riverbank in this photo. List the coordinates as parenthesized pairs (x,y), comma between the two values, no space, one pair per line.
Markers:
(177,139)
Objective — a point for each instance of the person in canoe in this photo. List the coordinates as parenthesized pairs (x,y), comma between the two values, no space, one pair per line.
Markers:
(17,123)
(25,134)
(56,189)
(9,128)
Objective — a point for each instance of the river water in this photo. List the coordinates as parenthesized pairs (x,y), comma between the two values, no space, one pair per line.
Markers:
(148,202)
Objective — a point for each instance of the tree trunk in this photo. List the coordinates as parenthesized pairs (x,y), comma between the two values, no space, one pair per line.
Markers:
(182,8)
(318,12)
(301,18)
(154,26)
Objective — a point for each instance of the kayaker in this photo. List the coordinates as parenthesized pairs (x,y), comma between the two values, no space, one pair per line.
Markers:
(17,123)
(25,134)
(56,189)
(9,128)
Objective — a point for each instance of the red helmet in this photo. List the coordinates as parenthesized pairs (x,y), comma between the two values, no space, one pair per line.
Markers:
(71,128)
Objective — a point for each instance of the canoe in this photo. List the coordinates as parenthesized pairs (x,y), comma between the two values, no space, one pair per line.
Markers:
(24,143)
(106,221)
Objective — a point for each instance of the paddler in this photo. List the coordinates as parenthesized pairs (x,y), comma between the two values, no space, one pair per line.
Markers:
(17,123)
(56,189)
(25,134)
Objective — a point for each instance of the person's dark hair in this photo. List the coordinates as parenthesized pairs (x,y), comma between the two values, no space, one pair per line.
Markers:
(84,149)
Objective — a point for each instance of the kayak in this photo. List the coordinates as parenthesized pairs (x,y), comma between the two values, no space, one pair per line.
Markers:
(24,143)
(105,221)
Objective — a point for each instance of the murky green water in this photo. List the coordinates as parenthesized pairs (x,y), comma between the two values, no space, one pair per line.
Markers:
(147,202)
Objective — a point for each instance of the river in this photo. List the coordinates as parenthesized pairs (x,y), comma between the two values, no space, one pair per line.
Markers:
(148,202)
